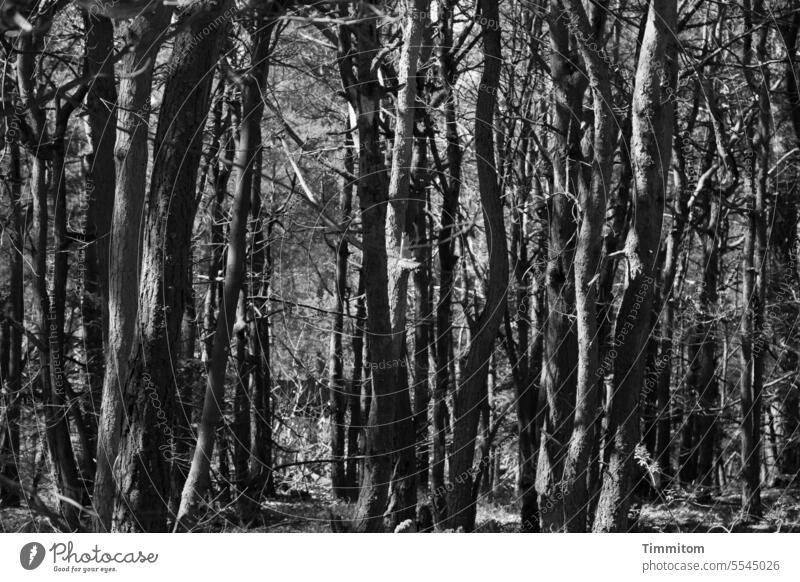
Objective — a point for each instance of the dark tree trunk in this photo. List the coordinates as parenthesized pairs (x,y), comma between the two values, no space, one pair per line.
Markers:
(336,384)
(100,186)
(355,431)
(448,261)
(471,393)
(50,336)
(252,87)
(142,469)
(12,331)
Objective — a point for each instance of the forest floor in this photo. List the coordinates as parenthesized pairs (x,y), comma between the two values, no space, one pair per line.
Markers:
(679,512)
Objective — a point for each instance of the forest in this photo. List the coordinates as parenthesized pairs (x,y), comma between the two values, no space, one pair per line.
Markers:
(399,266)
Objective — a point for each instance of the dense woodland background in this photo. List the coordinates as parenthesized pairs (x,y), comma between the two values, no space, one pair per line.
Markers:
(519,265)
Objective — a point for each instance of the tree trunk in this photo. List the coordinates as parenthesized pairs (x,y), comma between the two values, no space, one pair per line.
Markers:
(198,480)
(754,253)
(131,153)
(651,144)
(471,392)
(12,332)
(560,347)
(339,397)
(587,263)
(448,261)
(373,197)
(142,469)
(403,496)
(50,337)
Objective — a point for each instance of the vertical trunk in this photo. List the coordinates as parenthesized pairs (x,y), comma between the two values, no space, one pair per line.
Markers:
(100,184)
(261,478)
(198,480)
(663,367)
(13,317)
(471,392)
(142,469)
(403,496)
(240,427)
(131,153)
(336,383)
(61,244)
(702,378)
(373,198)
(789,460)
(448,261)
(587,263)
(651,143)
(50,336)
(753,267)
(423,315)
(221,173)
(355,431)
(560,348)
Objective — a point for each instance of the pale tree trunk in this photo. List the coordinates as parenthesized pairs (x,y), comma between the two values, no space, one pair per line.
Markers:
(142,469)
(560,348)
(403,498)
(336,383)
(651,146)
(252,86)
(131,153)
(754,254)
(471,390)
(591,198)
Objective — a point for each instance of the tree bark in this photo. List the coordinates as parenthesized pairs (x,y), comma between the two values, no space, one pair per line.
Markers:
(252,86)
(587,263)
(12,332)
(448,260)
(471,390)
(651,144)
(131,153)
(373,194)
(142,469)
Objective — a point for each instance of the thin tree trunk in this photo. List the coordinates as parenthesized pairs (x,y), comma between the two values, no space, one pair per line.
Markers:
(14,314)
(403,498)
(52,373)
(198,480)
(101,124)
(448,261)
(339,397)
(471,392)
(754,265)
